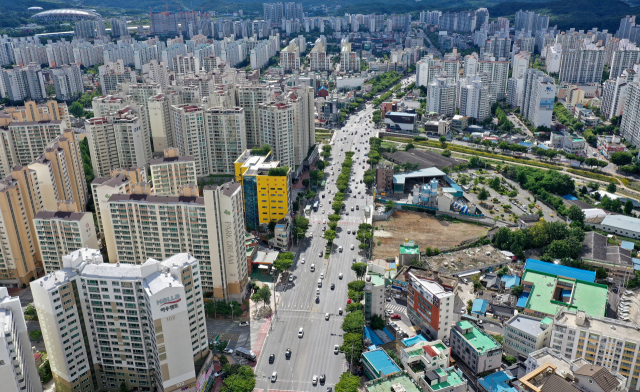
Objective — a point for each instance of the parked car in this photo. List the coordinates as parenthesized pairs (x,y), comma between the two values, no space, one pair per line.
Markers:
(244,324)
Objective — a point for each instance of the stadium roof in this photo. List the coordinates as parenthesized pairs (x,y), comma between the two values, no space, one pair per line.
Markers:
(67,12)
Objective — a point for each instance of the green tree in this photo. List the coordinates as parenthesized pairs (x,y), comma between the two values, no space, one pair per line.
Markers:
(601,273)
(262,150)
(321,164)
(503,271)
(348,383)
(356,285)
(353,322)
(620,158)
(353,306)
(517,290)
(575,213)
(388,206)
(446,153)
(76,109)
(330,235)
(123,387)
(282,264)
(443,141)
(31,313)
(360,269)
(243,380)
(483,194)
(409,146)
(352,345)
(377,322)
(612,188)
(263,294)
(628,207)
(508,359)
(300,226)
(272,226)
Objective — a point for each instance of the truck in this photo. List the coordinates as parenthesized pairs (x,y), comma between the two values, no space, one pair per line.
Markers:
(245,353)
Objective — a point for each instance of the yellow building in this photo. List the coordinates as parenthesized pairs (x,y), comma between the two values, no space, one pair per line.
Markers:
(266,188)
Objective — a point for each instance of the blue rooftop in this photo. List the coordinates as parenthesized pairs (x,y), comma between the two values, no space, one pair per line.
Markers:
(522,301)
(510,281)
(569,197)
(479,306)
(542,146)
(389,334)
(428,172)
(627,245)
(373,338)
(381,362)
(401,114)
(636,264)
(560,270)
(408,342)
(497,382)
(525,144)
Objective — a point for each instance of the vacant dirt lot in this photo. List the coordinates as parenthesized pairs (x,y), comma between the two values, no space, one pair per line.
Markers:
(423,229)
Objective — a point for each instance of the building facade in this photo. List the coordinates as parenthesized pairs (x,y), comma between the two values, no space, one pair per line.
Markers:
(430,307)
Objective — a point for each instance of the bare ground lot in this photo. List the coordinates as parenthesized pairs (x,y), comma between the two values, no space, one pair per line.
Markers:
(424,229)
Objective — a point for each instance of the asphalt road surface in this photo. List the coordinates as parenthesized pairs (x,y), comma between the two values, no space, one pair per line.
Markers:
(313,354)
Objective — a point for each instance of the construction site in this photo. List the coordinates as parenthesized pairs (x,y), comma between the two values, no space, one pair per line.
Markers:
(476,258)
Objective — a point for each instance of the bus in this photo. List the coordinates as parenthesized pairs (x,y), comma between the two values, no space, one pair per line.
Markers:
(322,185)
(315,206)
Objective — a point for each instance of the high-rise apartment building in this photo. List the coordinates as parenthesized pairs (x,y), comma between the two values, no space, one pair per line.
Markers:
(227,138)
(277,125)
(18,370)
(318,59)
(249,98)
(538,97)
(442,96)
(582,66)
(529,21)
(290,57)
(191,136)
(349,60)
(49,111)
(104,324)
(171,172)
(614,93)
(630,124)
(67,80)
(23,142)
(20,201)
(62,232)
(209,227)
(161,126)
(474,99)
(304,136)
(430,307)
(267,196)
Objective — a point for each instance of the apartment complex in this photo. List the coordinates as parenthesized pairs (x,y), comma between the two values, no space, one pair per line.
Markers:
(602,341)
(61,232)
(475,348)
(227,138)
(49,111)
(266,191)
(630,124)
(249,98)
(525,334)
(170,173)
(430,307)
(539,92)
(23,142)
(162,131)
(18,370)
(211,227)
(108,323)
(582,66)
(318,59)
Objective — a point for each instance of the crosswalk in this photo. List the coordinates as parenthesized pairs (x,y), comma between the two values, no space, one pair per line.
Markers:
(396,308)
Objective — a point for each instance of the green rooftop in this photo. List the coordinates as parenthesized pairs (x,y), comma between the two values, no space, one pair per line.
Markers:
(453,379)
(478,340)
(384,384)
(376,280)
(410,248)
(586,296)
(440,347)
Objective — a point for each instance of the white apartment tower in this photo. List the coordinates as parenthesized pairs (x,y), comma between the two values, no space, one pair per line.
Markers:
(162,132)
(441,97)
(582,66)
(539,97)
(62,232)
(209,227)
(107,323)
(18,370)
(249,98)
(630,125)
(614,93)
(318,59)
(191,136)
(474,100)
(227,138)
(277,125)
(171,172)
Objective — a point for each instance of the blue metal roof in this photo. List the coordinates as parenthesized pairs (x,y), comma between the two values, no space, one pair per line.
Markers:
(569,197)
(542,146)
(497,382)
(510,281)
(389,334)
(522,301)
(428,172)
(560,270)
(401,114)
(627,245)
(373,338)
(381,362)
(479,306)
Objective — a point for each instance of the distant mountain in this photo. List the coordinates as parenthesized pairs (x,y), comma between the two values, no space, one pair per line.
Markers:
(14,13)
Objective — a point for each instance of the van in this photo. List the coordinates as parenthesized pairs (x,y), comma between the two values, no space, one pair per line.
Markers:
(339,249)
(313,267)
(319,282)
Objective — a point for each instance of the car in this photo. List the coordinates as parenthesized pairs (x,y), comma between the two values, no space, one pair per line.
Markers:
(323,195)
(322,378)
(321,206)
(340,276)
(274,376)
(615,290)
(348,301)
(463,311)
(354,260)
(327,316)
(220,373)
(333,286)
(336,349)
(314,380)
(354,233)
(322,275)
(287,354)
(388,299)
(395,316)
(300,332)
(228,351)
(324,221)
(272,358)
(244,324)
(320,254)
(324,228)
(352,247)
(348,231)
(323,211)
(317,299)
(290,278)
(347,212)
(302,259)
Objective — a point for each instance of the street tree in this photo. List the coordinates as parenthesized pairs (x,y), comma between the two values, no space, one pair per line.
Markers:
(330,235)
(360,269)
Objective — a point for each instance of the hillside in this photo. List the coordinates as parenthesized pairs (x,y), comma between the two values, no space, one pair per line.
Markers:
(14,13)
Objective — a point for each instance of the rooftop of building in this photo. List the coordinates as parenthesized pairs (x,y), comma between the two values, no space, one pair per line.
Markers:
(478,339)
(61,215)
(453,378)
(587,296)
(560,270)
(549,357)
(603,326)
(381,362)
(497,382)
(433,288)
(596,247)
(171,160)
(409,247)
(385,384)
(375,279)
(529,325)
(143,198)
(427,172)
(622,222)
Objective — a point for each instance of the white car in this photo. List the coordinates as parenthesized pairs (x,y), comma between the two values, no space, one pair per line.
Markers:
(228,351)
(302,260)
(336,349)
(290,278)
(326,316)
(244,324)
(340,276)
(274,376)
(322,276)
(314,380)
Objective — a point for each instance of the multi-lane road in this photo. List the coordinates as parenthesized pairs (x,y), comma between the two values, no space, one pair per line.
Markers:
(313,354)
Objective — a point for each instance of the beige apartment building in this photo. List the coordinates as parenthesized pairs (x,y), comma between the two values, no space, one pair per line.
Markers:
(104,324)
(172,172)
(227,138)
(162,132)
(22,142)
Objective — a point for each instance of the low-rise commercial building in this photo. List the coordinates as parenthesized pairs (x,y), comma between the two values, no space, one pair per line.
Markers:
(430,307)
(475,348)
(374,291)
(524,334)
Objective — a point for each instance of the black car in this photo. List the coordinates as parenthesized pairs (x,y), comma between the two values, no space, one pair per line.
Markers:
(272,358)
(333,286)
(322,378)
(287,354)
(317,300)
